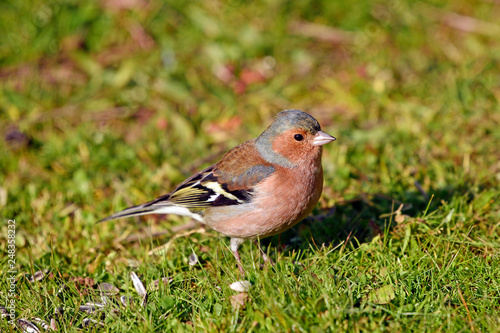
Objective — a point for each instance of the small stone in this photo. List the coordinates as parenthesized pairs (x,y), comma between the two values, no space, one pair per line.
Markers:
(241,286)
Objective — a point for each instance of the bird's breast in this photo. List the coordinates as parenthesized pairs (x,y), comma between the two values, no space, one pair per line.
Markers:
(279,202)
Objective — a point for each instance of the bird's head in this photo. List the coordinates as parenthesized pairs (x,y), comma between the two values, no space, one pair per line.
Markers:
(293,138)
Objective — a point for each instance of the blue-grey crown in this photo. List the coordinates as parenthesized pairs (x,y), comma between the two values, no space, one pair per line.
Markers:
(288,119)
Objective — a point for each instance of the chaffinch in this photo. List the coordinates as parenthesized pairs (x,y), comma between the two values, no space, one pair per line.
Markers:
(259,188)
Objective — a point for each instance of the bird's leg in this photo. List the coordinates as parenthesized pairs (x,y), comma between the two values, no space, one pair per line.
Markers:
(264,255)
(234,245)
(238,262)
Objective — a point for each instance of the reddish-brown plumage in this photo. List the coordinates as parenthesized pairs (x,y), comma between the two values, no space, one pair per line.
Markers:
(281,201)
(236,162)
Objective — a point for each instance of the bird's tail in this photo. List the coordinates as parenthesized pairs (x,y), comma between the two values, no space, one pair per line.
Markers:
(161,205)
(131,211)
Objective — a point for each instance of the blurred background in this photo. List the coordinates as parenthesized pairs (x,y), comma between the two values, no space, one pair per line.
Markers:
(111,103)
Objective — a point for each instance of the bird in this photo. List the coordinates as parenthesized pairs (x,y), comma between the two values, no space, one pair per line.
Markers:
(259,188)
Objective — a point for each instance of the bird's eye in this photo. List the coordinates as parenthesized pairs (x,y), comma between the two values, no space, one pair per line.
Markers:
(298,137)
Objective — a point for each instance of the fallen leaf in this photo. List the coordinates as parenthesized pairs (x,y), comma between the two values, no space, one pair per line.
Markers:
(382,295)
(238,300)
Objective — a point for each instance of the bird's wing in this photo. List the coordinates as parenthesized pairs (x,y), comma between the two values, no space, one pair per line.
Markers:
(229,182)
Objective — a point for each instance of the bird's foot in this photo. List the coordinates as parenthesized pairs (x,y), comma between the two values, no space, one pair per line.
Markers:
(265,257)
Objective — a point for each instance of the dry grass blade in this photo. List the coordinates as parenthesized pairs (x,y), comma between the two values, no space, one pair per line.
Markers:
(462,299)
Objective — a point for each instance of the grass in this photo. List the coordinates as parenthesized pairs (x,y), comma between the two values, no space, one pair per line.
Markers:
(109,104)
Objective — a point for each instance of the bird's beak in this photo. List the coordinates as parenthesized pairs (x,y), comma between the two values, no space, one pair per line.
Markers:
(321,138)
